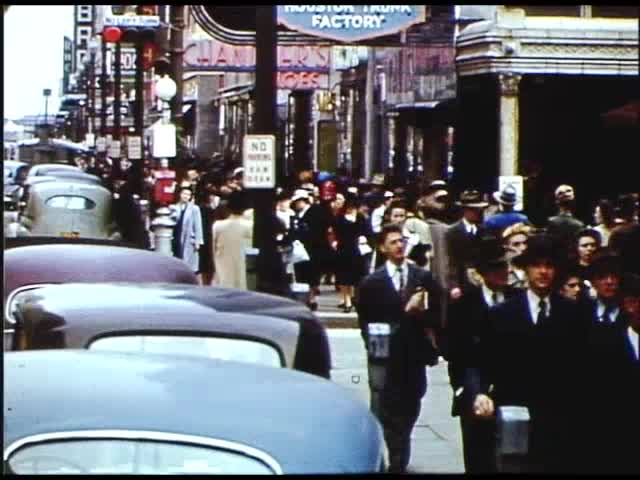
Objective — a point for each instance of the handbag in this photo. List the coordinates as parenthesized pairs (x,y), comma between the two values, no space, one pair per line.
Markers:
(299,253)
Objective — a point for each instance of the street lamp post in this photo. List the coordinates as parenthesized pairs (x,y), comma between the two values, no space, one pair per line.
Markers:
(47,93)
(162,225)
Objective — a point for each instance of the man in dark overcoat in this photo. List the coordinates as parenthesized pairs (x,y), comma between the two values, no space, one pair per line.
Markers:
(404,298)
(533,357)
(466,329)
(611,427)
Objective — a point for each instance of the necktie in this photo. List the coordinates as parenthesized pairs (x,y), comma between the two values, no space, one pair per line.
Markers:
(607,316)
(494,298)
(401,280)
(542,312)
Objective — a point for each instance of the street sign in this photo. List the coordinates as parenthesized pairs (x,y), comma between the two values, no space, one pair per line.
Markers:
(132,21)
(114,149)
(517,182)
(134,147)
(259,161)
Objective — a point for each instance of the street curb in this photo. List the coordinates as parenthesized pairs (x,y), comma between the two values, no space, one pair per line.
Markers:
(338,320)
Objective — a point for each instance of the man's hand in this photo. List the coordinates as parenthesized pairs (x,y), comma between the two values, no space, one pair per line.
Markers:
(483,406)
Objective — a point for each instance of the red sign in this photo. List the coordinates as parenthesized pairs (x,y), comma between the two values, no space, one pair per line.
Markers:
(221,56)
(302,80)
(149,52)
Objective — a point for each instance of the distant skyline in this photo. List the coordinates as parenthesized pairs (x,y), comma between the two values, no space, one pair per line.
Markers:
(33,49)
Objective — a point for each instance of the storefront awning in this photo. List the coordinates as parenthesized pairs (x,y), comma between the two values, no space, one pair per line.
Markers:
(234,91)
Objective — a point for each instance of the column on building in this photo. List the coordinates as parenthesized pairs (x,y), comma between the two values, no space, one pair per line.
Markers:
(509,123)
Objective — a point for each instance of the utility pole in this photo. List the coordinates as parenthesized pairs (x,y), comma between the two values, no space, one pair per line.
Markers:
(103,89)
(176,46)
(271,277)
(116,103)
(370,150)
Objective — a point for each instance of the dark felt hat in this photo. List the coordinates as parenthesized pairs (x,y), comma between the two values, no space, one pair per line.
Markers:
(490,253)
(472,199)
(539,247)
(605,262)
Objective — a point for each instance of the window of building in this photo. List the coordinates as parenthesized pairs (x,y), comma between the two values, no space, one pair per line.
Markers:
(84,13)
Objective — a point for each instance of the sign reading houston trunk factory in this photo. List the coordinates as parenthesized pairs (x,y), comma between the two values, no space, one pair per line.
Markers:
(349,23)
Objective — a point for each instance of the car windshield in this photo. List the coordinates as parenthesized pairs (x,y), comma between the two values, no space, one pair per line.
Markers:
(124,456)
(70,202)
(236,349)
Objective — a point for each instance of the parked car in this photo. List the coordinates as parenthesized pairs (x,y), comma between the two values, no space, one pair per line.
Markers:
(14,171)
(171,318)
(68,209)
(90,412)
(29,266)
(48,168)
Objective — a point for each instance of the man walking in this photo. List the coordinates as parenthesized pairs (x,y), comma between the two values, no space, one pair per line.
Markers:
(533,356)
(402,300)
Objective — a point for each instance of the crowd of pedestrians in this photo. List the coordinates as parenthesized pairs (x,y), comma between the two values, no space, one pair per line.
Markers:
(543,316)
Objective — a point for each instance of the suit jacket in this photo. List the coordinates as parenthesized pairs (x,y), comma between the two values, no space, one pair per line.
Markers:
(461,249)
(538,366)
(466,328)
(610,437)
(379,302)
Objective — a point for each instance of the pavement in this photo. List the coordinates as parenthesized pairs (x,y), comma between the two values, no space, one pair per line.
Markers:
(436,438)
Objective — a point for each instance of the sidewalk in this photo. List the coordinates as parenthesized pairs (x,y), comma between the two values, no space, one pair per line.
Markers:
(328,311)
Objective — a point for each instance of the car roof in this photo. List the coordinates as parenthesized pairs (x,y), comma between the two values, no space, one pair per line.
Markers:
(308,424)
(65,184)
(108,306)
(67,262)
(36,169)
(81,313)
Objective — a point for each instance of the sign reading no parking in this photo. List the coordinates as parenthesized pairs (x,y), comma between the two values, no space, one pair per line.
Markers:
(259,161)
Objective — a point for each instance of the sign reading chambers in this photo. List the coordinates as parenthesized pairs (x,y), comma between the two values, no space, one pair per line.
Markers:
(259,161)
(350,22)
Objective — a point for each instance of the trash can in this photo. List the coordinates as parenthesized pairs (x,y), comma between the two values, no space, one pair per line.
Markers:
(251,260)
(512,439)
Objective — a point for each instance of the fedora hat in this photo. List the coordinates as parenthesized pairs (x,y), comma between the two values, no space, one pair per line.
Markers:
(539,247)
(472,199)
(605,262)
(507,196)
(490,253)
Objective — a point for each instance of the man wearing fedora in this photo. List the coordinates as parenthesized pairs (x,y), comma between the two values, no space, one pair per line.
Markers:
(533,356)
(462,239)
(506,216)
(608,436)
(465,329)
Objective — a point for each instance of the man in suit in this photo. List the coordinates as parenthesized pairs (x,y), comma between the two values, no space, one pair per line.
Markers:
(609,446)
(606,271)
(462,239)
(466,327)
(564,226)
(533,356)
(405,299)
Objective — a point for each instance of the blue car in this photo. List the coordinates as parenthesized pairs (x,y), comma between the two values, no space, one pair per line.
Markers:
(95,412)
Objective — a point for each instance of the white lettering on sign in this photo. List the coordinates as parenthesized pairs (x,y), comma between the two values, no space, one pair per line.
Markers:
(259,161)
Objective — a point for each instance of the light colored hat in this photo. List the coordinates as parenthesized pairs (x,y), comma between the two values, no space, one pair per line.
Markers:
(507,196)
(388,194)
(300,194)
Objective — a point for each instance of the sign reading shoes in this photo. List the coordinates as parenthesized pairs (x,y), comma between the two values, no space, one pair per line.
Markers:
(349,23)
(259,161)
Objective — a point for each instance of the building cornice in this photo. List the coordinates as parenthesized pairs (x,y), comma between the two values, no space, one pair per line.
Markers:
(514,43)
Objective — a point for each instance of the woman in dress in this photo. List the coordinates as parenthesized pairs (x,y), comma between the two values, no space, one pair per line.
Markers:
(349,227)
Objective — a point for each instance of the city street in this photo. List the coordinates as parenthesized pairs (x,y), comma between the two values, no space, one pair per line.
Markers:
(437,446)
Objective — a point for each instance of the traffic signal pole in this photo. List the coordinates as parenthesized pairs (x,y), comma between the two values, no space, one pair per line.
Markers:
(271,276)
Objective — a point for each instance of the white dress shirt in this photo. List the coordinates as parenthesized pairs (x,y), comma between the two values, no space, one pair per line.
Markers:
(392,271)
(600,311)
(488,296)
(534,307)
(633,337)
(469,227)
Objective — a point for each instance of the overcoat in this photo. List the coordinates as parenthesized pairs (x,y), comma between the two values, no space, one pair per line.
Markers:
(191,234)
(230,238)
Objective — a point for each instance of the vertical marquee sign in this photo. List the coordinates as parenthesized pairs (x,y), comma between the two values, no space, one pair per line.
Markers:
(350,23)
